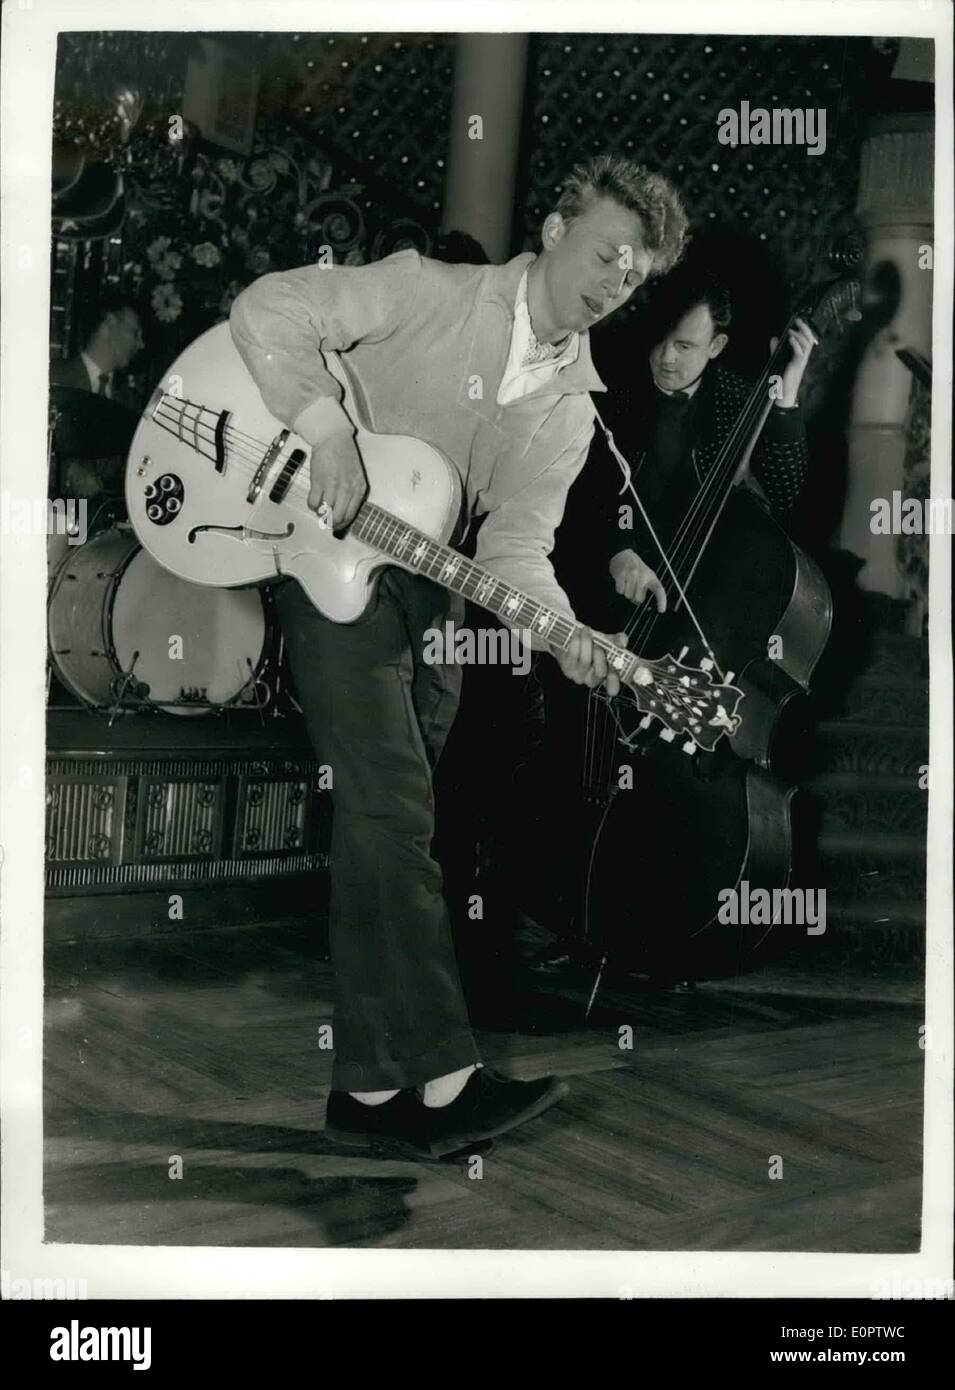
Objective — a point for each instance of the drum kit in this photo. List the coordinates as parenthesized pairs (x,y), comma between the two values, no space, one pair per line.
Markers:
(124,634)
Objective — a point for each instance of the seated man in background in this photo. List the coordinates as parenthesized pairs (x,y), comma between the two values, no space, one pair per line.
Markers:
(91,437)
(114,339)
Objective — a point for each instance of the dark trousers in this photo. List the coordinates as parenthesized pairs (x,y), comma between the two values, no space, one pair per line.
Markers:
(379,716)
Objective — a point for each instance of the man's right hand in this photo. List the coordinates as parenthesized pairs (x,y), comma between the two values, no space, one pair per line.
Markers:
(635,580)
(338,482)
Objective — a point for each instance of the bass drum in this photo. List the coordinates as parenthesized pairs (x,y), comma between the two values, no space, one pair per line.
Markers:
(123,629)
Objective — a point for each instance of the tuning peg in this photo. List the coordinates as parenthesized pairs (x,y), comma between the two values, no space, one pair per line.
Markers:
(729,677)
(706,664)
(645,722)
(667,735)
(689,746)
(683,653)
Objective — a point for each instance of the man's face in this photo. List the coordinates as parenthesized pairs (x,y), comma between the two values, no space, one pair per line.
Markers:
(593,263)
(125,336)
(680,357)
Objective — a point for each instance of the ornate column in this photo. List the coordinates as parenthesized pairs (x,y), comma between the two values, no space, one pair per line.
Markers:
(896,207)
(485,134)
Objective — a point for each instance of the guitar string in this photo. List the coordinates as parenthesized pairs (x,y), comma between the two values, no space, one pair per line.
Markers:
(384,526)
(167,400)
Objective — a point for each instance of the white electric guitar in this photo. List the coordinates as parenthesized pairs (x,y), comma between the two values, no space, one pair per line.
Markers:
(217,491)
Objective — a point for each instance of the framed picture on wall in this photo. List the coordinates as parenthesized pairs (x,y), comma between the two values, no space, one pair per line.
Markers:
(221,93)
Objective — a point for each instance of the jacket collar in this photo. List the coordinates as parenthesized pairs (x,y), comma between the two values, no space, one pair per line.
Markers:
(500,287)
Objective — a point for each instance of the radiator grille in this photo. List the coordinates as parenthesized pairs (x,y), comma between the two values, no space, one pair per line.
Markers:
(177,821)
(84,821)
(118,876)
(271,816)
(180,818)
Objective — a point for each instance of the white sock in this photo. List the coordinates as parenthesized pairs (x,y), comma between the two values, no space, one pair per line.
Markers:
(444,1089)
(372,1097)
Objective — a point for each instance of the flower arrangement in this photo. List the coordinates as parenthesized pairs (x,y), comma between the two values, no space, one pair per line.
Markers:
(200,227)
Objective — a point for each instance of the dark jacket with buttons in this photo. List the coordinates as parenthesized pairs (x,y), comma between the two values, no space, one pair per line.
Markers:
(645,424)
(591,533)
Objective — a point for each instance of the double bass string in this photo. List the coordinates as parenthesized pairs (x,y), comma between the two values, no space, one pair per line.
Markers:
(702,513)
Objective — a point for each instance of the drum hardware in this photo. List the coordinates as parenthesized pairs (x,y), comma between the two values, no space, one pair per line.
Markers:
(249,694)
(53,421)
(120,693)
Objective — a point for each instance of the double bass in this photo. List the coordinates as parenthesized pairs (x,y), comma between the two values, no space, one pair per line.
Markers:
(662,836)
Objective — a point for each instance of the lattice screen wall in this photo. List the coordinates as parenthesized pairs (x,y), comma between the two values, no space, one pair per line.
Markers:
(382,100)
(657,97)
(377,107)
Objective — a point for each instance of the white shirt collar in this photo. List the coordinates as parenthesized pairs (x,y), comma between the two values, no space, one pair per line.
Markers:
(521,378)
(522,316)
(94,372)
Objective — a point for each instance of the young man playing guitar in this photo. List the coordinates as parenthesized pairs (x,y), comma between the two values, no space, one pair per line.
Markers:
(491,365)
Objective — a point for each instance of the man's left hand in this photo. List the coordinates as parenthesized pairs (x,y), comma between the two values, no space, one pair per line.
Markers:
(802,340)
(584,662)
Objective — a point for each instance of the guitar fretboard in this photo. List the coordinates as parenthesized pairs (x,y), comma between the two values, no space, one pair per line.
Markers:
(451,570)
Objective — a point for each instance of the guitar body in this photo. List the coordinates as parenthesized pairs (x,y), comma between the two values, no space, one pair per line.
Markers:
(218,533)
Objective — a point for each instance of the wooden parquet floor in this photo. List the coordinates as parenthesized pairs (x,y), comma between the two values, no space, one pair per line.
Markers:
(205,1045)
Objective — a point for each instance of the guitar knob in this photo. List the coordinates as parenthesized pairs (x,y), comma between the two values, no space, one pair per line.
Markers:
(645,722)
(689,747)
(706,664)
(667,735)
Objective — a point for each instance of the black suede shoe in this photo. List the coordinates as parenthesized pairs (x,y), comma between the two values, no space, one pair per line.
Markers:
(489,1105)
(398,1125)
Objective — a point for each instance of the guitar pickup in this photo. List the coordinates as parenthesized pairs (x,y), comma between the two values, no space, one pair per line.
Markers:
(284,481)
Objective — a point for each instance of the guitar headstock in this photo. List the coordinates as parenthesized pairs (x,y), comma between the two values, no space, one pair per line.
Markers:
(687,701)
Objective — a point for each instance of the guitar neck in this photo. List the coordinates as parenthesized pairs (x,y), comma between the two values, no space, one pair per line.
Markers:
(414,550)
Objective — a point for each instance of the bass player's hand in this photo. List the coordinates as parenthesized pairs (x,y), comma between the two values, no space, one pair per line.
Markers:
(802,340)
(634,579)
(338,482)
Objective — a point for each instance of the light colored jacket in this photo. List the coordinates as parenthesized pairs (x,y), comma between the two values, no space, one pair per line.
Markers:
(428,344)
